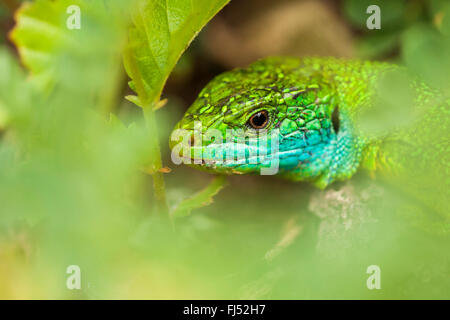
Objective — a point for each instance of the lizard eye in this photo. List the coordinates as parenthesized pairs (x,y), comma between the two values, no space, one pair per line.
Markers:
(259,120)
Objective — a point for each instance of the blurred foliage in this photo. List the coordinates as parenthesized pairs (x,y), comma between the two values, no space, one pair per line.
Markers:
(45,42)
(397,17)
(74,186)
(427,53)
(413,102)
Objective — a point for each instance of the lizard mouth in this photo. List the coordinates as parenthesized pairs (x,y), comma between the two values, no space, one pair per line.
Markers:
(225,157)
(246,157)
(230,153)
(212,149)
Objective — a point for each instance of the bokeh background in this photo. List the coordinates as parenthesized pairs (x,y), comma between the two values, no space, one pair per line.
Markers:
(74,191)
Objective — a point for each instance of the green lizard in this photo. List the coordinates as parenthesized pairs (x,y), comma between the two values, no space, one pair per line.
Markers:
(312,107)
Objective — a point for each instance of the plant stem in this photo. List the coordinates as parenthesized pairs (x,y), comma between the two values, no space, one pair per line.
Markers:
(149,115)
(158,178)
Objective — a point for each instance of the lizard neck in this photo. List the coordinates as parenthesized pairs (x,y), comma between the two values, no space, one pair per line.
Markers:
(338,160)
(345,156)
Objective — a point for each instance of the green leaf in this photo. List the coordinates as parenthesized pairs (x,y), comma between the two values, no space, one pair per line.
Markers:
(48,47)
(134,99)
(162,30)
(40,31)
(200,199)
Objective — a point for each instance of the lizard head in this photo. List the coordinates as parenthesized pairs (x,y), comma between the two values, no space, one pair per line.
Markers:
(273,117)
